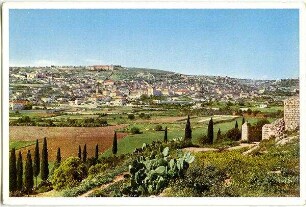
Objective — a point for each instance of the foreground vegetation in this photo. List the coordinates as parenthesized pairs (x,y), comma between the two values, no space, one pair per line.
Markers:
(152,160)
(270,171)
(162,169)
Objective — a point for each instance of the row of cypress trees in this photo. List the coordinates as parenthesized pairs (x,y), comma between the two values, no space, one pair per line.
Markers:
(31,170)
(210,130)
(22,178)
(84,153)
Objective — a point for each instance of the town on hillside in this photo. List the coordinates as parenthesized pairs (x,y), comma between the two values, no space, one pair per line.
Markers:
(91,87)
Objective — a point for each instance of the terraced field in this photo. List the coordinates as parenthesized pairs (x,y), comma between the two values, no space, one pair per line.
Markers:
(67,138)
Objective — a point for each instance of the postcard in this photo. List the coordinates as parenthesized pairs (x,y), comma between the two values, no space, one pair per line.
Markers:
(154,103)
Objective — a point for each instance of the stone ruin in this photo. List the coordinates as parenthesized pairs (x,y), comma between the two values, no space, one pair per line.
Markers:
(276,128)
(292,113)
(291,121)
(245,132)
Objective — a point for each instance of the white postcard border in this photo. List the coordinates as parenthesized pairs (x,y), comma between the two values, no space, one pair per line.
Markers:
(154,201)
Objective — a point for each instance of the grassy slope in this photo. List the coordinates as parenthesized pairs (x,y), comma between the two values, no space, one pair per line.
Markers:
(271,171)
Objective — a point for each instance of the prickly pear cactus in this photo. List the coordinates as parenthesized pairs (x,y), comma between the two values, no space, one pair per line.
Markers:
(150,175)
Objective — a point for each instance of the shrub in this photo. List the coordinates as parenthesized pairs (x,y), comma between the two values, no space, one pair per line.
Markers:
(96,169)
(135,130)
(144,116)
(204,140)
(131,116)
(158,128)
(44,186)
(255,132)
(97,180)
(203,179)
(233,134)
(71,172)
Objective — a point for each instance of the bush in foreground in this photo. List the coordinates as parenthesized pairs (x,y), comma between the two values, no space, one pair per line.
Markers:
(71,172)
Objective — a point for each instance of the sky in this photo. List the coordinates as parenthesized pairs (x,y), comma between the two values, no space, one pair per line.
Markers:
(257,44)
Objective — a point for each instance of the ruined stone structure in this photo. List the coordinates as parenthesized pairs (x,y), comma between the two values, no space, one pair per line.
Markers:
(245,132)
(291,120)
(277,129)
(292,113)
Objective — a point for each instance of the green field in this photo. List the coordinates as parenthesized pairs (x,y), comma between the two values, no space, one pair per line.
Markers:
(20,144)
(175,130)
(268,109)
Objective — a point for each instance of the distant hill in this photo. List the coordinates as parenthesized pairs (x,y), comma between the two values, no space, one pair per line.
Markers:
(149,70)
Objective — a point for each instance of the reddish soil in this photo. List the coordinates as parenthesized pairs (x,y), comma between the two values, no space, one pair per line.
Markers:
(162,120)
(67,138)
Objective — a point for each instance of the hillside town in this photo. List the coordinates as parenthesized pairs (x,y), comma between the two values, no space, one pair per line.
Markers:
(62,87)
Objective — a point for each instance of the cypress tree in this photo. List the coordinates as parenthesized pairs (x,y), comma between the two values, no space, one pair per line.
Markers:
(219,134)
(166,135)
(243,121)
(44,161)
(236,125)
(28,174)
(84,153)
(188,131)
(115,147)
(58,156)
(13,172)
(97,153)
(19,172)
(210,131)
(36,164)
(80,153)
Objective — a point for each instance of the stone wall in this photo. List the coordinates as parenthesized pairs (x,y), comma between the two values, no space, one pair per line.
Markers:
(291,120)
(292,113)
(276,128)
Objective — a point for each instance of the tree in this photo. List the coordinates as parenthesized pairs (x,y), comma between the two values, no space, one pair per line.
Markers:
(28,174)
(131,116)
(135,130)
(158,127)
(19,172)
(115,147)
(210,131)
(44,173)
(97,153)
(36,164)
(236,125)
(188,131)
(219,135)
(84,153)
(58,156)
(80,152)
(13,172)
(243,121)
(166,135)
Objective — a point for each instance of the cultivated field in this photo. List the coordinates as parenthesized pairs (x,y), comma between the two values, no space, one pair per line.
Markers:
(67,138)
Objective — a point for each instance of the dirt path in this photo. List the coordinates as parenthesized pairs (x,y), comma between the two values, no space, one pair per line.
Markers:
(242,145)
(52,193)
(199,149)
(103,186)
(207,149)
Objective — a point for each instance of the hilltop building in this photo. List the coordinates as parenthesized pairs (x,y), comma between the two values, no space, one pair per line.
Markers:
(105,67)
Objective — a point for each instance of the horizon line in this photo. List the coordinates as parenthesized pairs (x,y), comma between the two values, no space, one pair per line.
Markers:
(166,70)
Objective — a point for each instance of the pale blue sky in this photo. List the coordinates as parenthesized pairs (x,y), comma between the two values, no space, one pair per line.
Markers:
(259,44)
